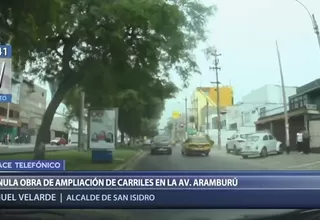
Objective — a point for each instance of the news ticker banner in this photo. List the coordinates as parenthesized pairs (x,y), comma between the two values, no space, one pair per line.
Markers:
(32,165)
(5,74)
(159,191)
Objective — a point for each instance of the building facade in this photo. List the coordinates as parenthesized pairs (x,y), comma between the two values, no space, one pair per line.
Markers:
(207,96)
(264,101)
(33,106)
(226,94)
(303,111)
(10,113)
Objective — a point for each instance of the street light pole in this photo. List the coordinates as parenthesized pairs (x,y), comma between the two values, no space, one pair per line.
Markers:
(313,20)
(217,69)
(316,28)
(186,110)
(207,117)
(81,145)
(286,120)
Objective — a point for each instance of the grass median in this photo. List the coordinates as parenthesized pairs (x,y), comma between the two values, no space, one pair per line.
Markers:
(79,160)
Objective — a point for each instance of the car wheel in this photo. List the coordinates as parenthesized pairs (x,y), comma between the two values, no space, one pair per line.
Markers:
(170,152)
(264,152)
(57,144)
(152,152)
(206,154)
(51,143)
(228,151)
(182,153)
(281,149)
(235,150)
(244,156)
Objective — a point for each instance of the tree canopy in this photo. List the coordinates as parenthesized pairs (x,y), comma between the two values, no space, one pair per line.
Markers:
(119,52)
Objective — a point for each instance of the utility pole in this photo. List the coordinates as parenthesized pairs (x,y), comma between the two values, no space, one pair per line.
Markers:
(81,145)
(286,120)
(7,121)
(197,113)
(186,110)
(207,117)
(217,69)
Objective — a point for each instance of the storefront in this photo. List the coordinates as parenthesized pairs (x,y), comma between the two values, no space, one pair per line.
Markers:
(9,126)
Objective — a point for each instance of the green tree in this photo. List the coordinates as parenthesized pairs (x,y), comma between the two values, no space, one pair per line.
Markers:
(97,39)
(24,23)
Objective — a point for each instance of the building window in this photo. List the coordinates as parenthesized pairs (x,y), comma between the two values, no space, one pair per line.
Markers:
(291,106)
(263,112)
(246,117)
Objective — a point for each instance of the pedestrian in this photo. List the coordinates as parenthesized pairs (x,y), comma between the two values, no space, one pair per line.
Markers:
(8,139)
(299,141)
(306,141)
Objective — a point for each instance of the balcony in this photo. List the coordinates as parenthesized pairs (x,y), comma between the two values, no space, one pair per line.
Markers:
(311,106)
(268,112)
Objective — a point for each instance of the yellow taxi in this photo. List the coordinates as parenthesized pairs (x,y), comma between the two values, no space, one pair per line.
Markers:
(197,145)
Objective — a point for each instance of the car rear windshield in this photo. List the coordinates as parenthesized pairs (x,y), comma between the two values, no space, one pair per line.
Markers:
(161,138)
(244,136)
(253,138)
(199,140)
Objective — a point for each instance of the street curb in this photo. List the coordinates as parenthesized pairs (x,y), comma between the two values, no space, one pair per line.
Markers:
(129,164)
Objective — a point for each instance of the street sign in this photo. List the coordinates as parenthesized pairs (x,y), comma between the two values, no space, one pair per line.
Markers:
(176,115)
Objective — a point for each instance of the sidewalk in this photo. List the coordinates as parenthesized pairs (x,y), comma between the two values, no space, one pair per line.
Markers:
(292,161)
(16,145)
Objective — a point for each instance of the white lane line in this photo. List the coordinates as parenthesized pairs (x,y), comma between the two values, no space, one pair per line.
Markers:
(305,165)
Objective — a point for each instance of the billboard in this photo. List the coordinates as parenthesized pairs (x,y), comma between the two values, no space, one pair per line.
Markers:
(176,115)
(5,80)
(102,129)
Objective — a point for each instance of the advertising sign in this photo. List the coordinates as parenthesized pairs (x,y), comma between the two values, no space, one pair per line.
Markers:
(176,115)
(103,126)
(5,74)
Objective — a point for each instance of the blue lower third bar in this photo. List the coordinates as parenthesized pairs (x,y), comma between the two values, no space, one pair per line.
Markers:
(283,199)
(5,98)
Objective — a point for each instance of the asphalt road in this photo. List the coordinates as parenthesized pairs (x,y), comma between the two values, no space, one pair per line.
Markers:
(217,160)
(28,148)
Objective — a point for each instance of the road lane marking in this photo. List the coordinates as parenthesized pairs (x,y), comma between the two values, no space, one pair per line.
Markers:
(304,165)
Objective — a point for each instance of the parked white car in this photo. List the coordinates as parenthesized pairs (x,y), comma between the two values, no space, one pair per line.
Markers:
(261,144)
(147,142)
(235,143)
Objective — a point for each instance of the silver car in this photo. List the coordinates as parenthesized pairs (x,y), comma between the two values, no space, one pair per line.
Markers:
(161,144)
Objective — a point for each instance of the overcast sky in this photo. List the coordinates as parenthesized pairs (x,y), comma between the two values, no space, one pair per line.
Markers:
(244,32)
